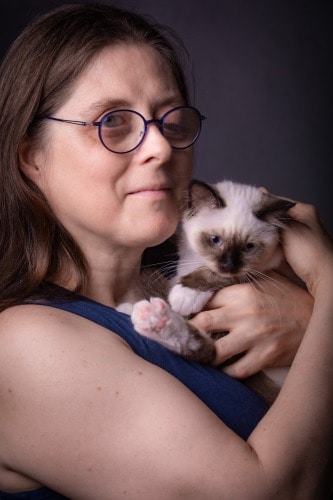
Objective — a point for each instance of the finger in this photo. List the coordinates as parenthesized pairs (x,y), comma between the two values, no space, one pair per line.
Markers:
(211,320)
(231,345)
(245,366)
(309,216)
(229,296)
(219,299)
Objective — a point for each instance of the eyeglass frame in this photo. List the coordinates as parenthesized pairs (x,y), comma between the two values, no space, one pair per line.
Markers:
(158,121)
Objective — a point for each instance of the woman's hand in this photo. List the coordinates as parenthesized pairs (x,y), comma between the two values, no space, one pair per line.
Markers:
(308,247)
(266,324)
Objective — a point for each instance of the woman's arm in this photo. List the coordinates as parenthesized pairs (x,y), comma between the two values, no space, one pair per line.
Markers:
(307,395)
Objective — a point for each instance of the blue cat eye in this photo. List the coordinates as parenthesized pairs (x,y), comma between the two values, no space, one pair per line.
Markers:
(123,130)
(215,241)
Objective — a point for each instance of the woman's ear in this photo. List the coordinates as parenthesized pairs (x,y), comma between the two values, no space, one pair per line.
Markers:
(30,161)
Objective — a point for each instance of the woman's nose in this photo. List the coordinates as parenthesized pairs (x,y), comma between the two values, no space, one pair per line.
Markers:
(154,143)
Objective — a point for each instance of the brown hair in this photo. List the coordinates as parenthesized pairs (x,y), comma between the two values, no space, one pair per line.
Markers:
(36,76)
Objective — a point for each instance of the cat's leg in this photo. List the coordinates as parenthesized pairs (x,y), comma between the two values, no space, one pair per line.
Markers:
(125,307)
(187,301)
(155,319)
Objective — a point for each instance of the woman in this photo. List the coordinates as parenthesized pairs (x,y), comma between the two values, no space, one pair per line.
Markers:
(94,161)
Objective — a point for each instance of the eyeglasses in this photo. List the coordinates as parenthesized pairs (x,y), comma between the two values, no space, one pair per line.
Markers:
(123,130)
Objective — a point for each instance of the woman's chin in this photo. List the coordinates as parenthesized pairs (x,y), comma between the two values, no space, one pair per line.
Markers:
(160,233)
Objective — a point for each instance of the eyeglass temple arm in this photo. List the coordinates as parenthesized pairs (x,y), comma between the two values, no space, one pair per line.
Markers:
(74,122)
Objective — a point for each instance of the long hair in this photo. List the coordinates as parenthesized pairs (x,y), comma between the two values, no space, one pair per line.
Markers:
(36,77)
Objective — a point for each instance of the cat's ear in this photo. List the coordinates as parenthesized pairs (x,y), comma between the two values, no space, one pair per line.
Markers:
(202,195)
(274,210)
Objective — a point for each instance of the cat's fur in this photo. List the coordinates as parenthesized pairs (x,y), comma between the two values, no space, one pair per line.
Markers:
(229,234)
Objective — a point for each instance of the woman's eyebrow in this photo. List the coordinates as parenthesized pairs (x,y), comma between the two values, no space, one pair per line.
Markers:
(108,103)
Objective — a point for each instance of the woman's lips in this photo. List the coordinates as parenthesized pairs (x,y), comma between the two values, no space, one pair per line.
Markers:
(151,192)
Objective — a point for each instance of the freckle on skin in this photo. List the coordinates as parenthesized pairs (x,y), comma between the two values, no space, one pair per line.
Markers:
(99,388)
(139,372)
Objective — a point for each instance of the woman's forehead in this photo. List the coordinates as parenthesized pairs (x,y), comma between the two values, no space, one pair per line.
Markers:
(124,75)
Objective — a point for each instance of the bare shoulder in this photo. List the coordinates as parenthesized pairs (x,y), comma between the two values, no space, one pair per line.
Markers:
(45,335)
(32,317)
(41,321)
(40,340)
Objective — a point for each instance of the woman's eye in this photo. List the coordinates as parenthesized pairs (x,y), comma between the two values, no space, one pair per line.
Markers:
(174,129)
(215,241)
(114,120)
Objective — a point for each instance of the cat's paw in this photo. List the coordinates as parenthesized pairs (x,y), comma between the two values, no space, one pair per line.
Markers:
(187,301)
(155,319)
(150,316)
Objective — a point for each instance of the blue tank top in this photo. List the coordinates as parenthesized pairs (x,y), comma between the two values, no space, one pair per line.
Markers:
(235,404)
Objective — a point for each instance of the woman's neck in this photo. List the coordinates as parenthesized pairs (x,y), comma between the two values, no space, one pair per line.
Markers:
(113,290)
(110,281)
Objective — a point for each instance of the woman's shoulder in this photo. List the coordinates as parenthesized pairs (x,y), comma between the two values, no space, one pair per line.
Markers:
(23,324)
(32,322)
(36,339)
(29,327)
(29,314)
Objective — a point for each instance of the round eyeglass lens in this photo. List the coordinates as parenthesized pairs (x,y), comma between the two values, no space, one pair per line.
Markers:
(122,131)
(181,127)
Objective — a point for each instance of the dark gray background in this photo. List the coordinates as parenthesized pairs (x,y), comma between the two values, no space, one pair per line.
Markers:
(263,79)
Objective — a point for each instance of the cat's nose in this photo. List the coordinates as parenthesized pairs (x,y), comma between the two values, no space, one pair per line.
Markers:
(230,262)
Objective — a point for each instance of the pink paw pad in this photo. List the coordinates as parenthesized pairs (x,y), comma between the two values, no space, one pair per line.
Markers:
(160,315)
(159,305)
(144,312)
(149,317)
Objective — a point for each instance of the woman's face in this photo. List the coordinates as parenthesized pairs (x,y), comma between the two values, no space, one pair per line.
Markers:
(104,198)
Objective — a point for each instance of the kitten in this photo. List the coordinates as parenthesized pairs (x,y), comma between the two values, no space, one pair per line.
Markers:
(229,234)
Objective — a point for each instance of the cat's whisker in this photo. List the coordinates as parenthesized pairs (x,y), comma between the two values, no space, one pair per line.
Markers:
(189,265)
(264,278)
(260,275)
(252,279)
(259,284)
(172,261)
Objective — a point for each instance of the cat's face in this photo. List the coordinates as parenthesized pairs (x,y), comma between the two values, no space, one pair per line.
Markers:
(234,228)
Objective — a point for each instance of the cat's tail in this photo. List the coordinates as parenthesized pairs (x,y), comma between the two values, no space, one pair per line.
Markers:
(264,386)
